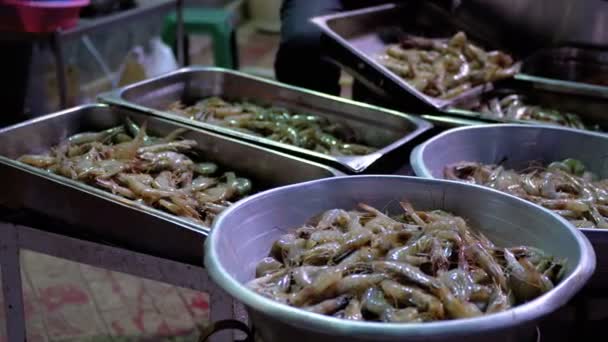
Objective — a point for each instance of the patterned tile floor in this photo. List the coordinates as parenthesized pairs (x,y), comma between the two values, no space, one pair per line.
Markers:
(68,301)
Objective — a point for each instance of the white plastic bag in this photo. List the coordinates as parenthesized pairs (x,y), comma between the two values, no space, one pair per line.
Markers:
(139,66)
(160,60)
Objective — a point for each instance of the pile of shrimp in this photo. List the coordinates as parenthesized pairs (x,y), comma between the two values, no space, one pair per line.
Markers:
(516,107)
(445,68)
(564,187)
(126,161)
(416,267)
(303,130)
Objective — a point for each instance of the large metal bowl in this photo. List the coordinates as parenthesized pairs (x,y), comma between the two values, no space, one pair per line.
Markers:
(520,144)
(243,234)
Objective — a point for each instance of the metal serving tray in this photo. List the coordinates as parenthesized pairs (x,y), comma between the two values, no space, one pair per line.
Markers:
(385,129)
(116,218)
(357,37)
(570,69)
(592,109)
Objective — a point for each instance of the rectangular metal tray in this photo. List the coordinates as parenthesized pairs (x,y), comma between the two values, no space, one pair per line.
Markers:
(116,219)
(355,39)
(382,128)
(568,68)
(591,109)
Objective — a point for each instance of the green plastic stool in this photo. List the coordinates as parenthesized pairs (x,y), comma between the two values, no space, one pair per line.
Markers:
(215,22)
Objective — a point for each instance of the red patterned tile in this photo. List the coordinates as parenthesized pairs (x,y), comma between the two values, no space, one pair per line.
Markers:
(143,323)
(132,290)
(60,295)
(74,322)
(46,264)
(197,304)
(106,294)
(35,329)
(53,276)
(157,289)
(120,323)
(91,273)
(175,313)
(60,327)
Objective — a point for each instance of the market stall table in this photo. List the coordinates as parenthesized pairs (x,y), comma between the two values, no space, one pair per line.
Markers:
(169,262)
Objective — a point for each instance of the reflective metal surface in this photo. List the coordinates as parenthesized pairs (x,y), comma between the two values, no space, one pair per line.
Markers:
(518,145)
(243,235)
(81,205)
(451,121)
(548,21)
(384,129)
(592,109)
(358,37)
(575,69)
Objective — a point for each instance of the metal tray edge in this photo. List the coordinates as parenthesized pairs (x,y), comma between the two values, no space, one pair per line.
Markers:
(557,85)
(452,120)
(321,22)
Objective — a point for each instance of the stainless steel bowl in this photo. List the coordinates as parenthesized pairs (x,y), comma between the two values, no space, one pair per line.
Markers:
(244,233)
(520,144)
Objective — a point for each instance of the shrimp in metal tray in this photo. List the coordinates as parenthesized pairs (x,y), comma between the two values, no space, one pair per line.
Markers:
(161,172)
(302,130)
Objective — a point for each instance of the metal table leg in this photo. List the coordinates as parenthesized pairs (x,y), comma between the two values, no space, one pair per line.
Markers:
(181,53)
(57,49)
(11,283)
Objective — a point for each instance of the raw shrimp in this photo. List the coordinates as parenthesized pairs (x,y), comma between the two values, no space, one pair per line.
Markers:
(562,186)
(408,295)
(158,171)
(407,315)
(358,283)
(329,306)
(302,130)
(405,272)
(180,145)
(40,161)
(373,301)
(515,106)
(445,68)
(353,310)
(82,138)
(527,283)
(417,266)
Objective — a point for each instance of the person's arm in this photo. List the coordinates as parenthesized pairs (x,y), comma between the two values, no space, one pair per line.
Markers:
(299,58)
